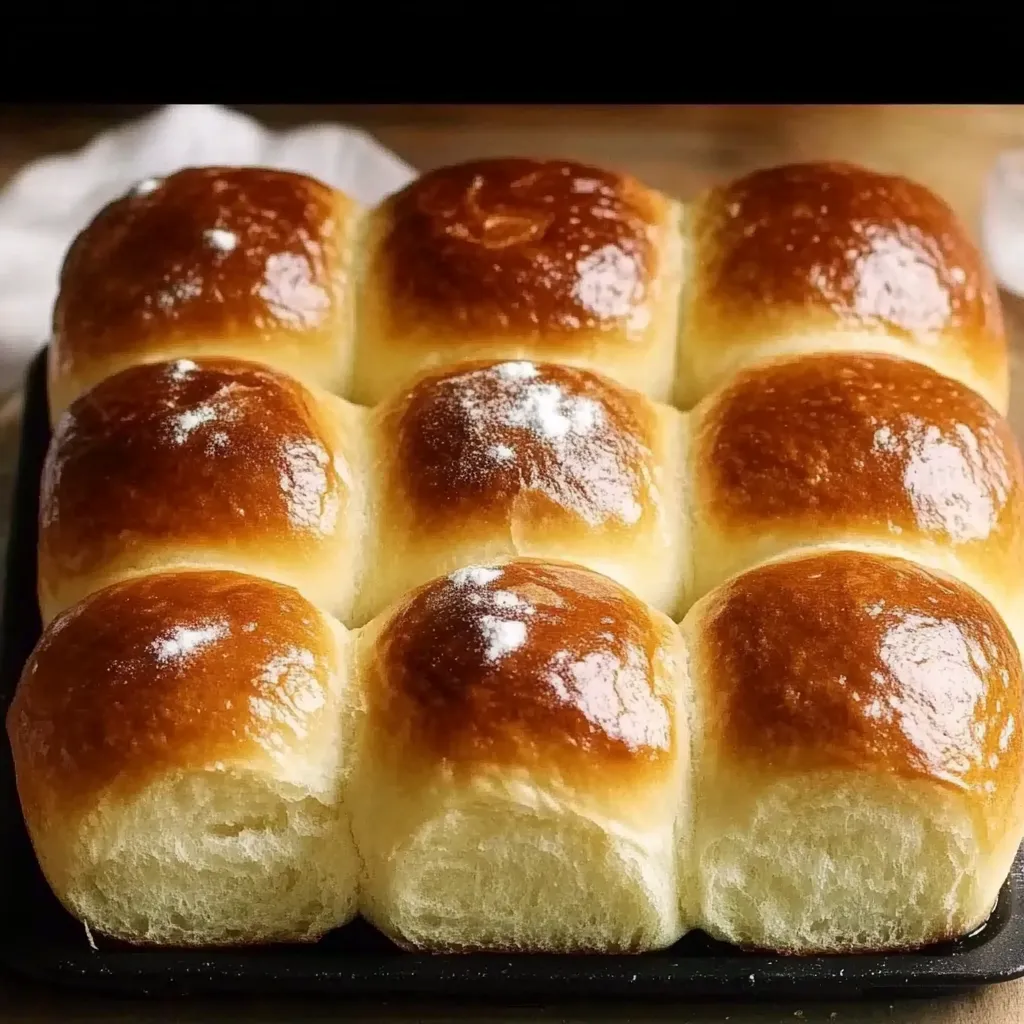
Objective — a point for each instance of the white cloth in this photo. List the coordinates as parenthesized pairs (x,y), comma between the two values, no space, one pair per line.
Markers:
(1002,220)
(49,201)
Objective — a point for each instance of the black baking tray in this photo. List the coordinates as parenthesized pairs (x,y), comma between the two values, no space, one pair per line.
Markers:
(40,939)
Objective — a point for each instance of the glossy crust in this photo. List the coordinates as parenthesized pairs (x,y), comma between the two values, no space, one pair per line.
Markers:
(836,446)
(533,665)
(221,460)
(212,260)
(536,441)
(169,672)
(515,257)
(867,664)
(811,250)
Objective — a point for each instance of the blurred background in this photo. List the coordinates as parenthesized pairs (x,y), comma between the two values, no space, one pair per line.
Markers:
(970,155)
(678,148)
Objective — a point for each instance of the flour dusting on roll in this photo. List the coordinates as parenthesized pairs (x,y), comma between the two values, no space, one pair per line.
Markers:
(209,261)
(523,764)
(265,477)
(178,746)
(521,458)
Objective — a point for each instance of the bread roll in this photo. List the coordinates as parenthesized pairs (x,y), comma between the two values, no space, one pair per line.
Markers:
(209,261)
(523,764)
(219,463)
(525,753)
(177,744)
(519,259)
(867,451)
(523,458)
(858,759)
(833,257)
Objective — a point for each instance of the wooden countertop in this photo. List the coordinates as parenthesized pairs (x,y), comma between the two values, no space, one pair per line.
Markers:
(681,150)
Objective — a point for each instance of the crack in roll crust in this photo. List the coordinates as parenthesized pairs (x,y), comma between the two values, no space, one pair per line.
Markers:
(541,665)
(207,259)
(512,258)
(838,445)
(505,245)
(856,661)
(242,451)
(538,441)
(164,673)
(806,248)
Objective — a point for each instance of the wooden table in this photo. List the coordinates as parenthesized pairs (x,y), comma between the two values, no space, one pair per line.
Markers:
(680,150)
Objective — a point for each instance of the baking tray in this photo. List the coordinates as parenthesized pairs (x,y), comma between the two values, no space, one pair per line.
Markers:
(41,940)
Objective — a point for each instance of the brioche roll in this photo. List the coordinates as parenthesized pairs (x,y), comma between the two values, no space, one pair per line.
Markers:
(221,464)
(210,261)
(833,257)
(520,259)
(869,451)
(860,755)
(177,744)
(521,458)
(523,764)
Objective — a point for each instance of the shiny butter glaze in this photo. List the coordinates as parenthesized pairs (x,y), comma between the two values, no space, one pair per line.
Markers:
(165,672)
(538,665)
(205,253)
(859,662)
(860,441)
(870,250)
(217,452)
(516,246)
(505,440)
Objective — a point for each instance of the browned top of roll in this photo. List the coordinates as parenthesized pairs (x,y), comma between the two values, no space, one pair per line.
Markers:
(494,440)
(858,247)
(218,452)
(855,661)
(514,246)
(166,672)
(205,253)
(861,441)
(539,665)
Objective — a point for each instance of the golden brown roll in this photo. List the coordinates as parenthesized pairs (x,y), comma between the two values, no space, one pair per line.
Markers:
(510,259)
(859,755)
(520,458)
(221,464)
(177,744)
(523,764)
(209,261)
(833,257)
(869,451)
(519,750)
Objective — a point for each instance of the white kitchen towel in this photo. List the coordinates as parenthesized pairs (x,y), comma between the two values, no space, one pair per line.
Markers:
(1002,220)
(49,201)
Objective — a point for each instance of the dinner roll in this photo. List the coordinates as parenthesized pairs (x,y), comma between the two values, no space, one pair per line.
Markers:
(509,259)
(523,764)
(859,755)
(523,458)
(177,744)
(218,463)
(243,262)
(871,451)
(829,256)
